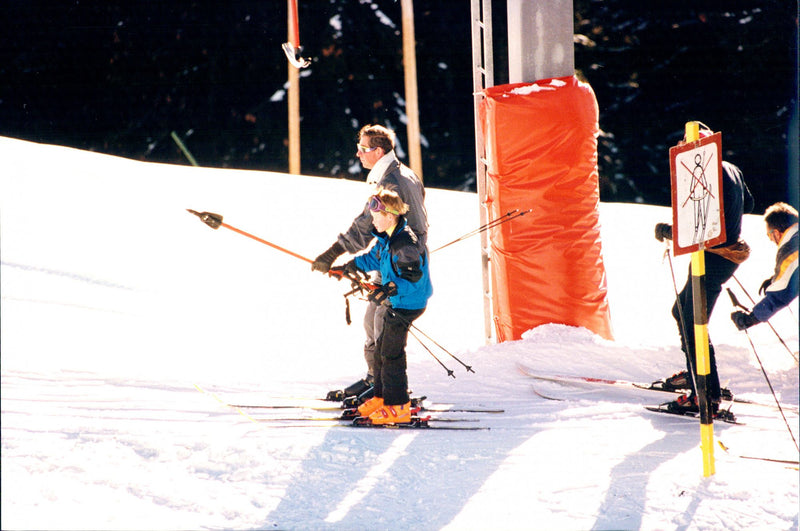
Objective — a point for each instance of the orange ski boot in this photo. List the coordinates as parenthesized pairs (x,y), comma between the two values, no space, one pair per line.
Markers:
(370,406)
(399,414)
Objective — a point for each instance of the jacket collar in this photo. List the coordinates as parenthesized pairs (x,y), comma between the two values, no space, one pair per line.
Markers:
(787,234)
(385,165)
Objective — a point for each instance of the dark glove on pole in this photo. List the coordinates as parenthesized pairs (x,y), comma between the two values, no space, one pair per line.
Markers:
(323,262)
(381,294)
(764,285)
(744,320)
(663,230)
(347,270)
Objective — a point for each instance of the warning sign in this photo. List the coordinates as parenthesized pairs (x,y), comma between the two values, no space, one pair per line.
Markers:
(697,207)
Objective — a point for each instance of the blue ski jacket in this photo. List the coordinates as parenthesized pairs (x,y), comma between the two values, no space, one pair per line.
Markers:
(401,258)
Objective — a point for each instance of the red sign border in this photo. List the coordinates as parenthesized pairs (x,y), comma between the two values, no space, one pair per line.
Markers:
(674,151)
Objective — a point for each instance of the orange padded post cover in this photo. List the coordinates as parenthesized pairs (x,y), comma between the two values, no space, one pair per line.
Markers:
(541,149)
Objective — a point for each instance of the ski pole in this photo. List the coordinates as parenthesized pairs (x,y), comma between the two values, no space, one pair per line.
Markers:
(508,216)
(752,301)
(681,318)
(449,371)
(357,284)
(763,371)
(468,367)
(215,221)
(735,301)
(414,327)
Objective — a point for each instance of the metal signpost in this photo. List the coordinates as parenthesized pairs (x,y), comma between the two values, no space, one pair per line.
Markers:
(698,222)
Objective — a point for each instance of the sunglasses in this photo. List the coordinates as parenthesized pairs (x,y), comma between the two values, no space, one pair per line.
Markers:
(365,149)
(375,205)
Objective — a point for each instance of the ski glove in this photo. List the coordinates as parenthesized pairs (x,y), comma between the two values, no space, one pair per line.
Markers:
(381,294)
(764,285)
(744,320)
(347,270)
(323,262)
(663,230)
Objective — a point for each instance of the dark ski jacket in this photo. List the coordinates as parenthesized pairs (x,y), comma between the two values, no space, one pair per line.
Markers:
(402,180)
(737,201)
(401,258)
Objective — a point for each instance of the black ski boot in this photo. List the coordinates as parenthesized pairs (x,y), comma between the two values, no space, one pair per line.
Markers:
(682,381)
(677,381)
(355,401)
(354,389)
(722,414)
(683,405)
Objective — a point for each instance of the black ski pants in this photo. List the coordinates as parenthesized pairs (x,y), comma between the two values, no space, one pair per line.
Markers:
(391,380)
(718,272)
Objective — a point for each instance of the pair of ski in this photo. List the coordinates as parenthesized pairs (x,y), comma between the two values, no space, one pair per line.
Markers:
(655,386)
(625,384)
(417,422)
(350,418)
(724,415)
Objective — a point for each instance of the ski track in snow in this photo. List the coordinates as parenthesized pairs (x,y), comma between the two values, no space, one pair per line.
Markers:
(127,326)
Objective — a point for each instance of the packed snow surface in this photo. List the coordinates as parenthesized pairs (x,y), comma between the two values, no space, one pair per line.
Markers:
(128,325)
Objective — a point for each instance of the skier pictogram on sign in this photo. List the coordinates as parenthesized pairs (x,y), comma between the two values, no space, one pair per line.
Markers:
(697,209)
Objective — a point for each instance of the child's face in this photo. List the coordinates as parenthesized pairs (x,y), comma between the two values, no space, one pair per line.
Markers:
(383,221)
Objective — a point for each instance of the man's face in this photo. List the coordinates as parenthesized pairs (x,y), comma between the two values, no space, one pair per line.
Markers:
(368,156)
(774,235)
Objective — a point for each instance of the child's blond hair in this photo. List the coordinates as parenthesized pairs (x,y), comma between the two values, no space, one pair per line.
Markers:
(391,201)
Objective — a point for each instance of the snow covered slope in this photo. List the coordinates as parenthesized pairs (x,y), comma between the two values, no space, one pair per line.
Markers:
(127,324)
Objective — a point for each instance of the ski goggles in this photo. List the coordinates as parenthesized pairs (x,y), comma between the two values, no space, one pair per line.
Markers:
(365,149)
(375,205)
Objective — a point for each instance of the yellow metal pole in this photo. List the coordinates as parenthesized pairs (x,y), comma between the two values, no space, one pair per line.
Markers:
(702,359)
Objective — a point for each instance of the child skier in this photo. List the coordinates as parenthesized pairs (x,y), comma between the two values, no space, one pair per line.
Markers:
(402,261)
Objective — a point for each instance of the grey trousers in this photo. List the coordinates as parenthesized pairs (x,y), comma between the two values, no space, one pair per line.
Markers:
(373,326)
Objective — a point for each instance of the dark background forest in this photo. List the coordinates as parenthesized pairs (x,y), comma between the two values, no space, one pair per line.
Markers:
(118,77)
